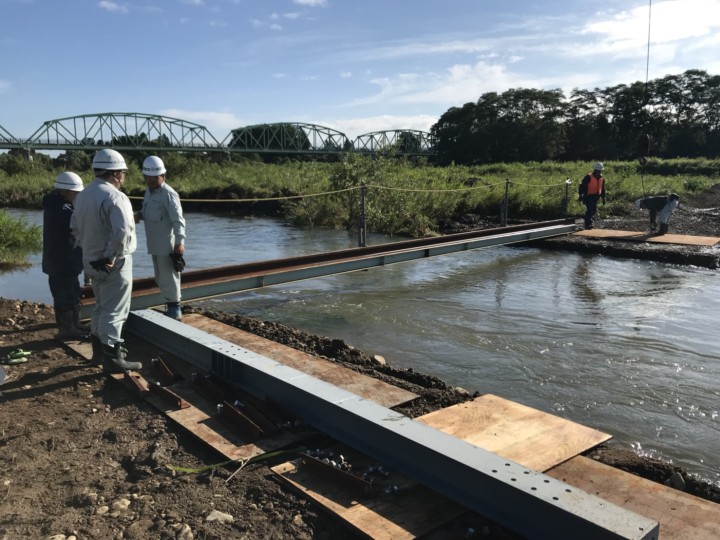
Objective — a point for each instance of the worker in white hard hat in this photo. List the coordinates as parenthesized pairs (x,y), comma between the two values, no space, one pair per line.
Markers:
(591,190)
(61,259)
(104,226)
(164,232)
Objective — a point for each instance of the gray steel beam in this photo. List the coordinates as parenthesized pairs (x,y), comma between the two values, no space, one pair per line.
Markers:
(278,277)
(522,500)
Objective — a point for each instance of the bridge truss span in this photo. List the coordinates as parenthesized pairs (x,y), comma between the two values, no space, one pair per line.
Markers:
(290,137)
(404,141)
(122,131)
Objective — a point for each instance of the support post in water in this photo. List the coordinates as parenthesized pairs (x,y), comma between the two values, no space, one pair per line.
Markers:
(362,231)
(566,200)
(504,205)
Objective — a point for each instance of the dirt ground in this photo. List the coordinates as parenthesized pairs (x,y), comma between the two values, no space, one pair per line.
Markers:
(83,458)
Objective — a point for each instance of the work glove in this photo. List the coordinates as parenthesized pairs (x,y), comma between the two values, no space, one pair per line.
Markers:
(101,265)
(178,261)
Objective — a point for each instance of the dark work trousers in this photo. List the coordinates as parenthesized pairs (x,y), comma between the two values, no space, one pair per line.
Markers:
(591,202)
(65,290)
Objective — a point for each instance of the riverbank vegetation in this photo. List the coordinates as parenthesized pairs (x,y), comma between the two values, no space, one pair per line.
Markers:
(17,240)
(401,196)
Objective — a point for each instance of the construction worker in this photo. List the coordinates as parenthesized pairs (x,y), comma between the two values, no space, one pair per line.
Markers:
(591,189)
(61,259)
(164,232)
(104,227)
(659,206)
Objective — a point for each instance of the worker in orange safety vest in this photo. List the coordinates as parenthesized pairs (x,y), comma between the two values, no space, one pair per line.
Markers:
(591,190)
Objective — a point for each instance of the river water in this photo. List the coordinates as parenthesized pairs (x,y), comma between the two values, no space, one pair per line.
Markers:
(627,347)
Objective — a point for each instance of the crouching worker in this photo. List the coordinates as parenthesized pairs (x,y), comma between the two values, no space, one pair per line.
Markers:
(661,208)
(62,260)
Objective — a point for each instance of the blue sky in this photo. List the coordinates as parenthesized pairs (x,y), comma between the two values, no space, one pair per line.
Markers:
(355,66)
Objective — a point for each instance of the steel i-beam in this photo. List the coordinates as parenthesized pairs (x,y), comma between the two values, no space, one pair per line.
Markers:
(520,499)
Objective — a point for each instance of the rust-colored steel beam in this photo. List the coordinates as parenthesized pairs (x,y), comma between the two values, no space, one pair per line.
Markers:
(168,395)
(336,475)
(231,279)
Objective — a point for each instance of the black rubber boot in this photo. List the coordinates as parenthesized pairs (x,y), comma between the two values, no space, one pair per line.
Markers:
(173,310)
(97,352)
(76,321)
(67,330)
(115,359)
(663,229)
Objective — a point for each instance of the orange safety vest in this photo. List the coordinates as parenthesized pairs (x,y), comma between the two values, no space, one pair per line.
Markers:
(595,185)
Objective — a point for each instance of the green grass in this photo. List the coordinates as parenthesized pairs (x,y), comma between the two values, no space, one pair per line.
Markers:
(401,197)
(17,240)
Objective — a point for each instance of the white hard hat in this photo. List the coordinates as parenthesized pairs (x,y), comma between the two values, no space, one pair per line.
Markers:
(69,180)
(598,166)
(153,166)
(109,160)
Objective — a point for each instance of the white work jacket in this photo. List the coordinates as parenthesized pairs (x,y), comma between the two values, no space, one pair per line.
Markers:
(103,223)
(164,221)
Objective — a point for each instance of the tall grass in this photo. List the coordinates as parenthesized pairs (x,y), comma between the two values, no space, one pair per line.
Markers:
(17,240)
(401,197)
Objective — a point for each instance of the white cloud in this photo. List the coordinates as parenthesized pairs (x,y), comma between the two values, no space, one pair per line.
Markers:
(275,26)
(4,85)
(112,7)
(218,123)
(311,3)
(194,2)
(280,75)
(345,74)
(458,84)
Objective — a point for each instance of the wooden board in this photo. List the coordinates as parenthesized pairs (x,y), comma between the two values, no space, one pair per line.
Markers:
(352,381)
(200,418)
(525,435)
(410,514)
(633,236)
(530,437)
(681,516)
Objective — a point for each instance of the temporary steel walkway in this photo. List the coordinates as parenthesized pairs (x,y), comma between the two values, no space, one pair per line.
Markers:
(232,279)
(522,500)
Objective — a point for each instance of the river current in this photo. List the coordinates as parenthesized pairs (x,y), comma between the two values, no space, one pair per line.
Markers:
(627,347)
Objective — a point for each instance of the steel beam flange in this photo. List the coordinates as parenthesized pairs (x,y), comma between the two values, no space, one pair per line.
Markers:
(522,500)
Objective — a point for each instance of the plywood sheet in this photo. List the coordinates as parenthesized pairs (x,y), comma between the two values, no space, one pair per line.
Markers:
(414,512)
(533,438)
(530,437)
(634,236)
(681,516)
(352,381)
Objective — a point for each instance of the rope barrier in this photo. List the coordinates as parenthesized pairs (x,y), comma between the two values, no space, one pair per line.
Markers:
(390,188)
(355,188)
(261,199)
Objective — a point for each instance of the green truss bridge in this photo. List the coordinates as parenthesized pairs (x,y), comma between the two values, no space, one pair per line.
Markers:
(154,133)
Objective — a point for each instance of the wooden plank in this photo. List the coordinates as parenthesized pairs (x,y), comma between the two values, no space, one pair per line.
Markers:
(634,236)
(357,383)
(533,438)
(200,418)
(530,437)
(409,514)
(681,516)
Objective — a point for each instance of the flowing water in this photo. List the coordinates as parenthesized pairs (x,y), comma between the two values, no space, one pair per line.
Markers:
(624,346)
